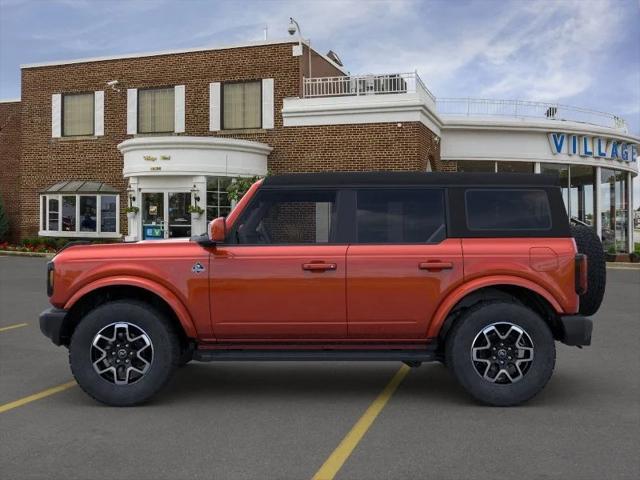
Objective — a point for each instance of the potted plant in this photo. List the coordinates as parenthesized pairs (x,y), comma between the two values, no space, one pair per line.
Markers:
(131,212)
(196,211)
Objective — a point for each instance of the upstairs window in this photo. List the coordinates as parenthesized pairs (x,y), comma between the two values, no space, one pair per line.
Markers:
(78,114)
(242,105)
(156,110)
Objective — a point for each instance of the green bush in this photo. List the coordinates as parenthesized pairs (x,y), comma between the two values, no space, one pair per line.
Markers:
(4,223)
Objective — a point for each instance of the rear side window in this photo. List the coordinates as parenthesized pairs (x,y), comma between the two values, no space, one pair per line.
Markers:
(288,217)
(400,216)
(504,209)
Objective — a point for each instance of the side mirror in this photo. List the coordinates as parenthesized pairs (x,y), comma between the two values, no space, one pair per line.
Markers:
(218,230)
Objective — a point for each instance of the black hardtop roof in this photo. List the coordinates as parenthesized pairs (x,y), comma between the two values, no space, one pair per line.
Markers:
(411,178)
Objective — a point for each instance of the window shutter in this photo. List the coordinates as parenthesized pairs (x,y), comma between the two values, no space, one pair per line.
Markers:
(267,103)
(56,115)
(179,108)
(132,111)
(214,106)
(98,111)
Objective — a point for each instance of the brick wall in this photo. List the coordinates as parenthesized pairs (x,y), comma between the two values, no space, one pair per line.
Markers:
(46,160)
(10,162)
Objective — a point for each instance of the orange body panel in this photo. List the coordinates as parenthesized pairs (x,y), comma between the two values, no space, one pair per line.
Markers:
(390,296)
(162,267)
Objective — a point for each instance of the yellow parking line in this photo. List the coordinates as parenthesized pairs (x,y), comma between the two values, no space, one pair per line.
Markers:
(342,452)
(36,396)
(11,327)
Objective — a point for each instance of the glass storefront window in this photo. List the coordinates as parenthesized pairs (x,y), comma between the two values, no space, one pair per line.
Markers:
(562,172)
(76,215)
(218,203)
(516,167)
(108,218)
(582,199)
(69,213)
(476,166)
(615,211)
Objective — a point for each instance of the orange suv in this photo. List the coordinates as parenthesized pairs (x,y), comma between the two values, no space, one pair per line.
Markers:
(480,271)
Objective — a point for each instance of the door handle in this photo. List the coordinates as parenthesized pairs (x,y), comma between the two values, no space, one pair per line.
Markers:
(319,267)
(435,266)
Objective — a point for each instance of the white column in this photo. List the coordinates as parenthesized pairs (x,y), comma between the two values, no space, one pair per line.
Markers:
(199,226)
(134,223)
(536,167)
(630,212)
(597,198)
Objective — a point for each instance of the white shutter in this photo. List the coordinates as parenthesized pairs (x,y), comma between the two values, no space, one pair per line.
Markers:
(267,103)
(56,115)
(98,112)
(214,106)
(132,111)
(179,108)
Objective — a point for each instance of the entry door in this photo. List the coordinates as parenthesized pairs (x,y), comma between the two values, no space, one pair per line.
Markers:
(281,275)
(401,263)
(165,215)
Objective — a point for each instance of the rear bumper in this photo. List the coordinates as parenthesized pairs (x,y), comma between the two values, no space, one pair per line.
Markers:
(576,330)
(51,324)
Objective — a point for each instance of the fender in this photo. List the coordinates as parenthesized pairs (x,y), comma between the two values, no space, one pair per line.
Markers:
(462,291)
(176,305)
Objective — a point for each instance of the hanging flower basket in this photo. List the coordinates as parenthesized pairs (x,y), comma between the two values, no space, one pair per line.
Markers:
(195,211)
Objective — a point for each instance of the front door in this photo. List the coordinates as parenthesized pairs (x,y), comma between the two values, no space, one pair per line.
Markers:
(165,215)
(401,263)
(281,274)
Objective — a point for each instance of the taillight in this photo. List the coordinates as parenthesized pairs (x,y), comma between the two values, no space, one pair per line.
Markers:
(581,274)
(50,275)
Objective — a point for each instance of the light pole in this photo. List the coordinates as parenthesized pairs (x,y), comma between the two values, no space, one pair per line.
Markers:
(293,28)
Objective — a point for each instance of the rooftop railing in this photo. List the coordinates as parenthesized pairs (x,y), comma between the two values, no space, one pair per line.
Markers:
(356,85)
(526,109)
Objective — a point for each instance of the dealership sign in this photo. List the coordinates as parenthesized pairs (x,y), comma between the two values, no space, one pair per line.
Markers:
(588,146)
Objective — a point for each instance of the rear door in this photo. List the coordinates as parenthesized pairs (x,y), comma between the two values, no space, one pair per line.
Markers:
(281,274)
(401,262)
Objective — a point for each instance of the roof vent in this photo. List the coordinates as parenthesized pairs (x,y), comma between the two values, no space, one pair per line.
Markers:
(334,57)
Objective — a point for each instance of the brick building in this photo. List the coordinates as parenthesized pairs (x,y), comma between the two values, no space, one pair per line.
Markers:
(167,130)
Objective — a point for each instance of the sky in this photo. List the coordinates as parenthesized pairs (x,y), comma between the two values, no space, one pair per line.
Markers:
(577,52)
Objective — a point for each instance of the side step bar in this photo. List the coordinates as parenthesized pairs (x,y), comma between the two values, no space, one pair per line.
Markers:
(214,355)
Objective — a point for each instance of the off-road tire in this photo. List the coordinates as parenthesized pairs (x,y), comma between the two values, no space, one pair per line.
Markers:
(458,352)
(588,243)
(166,352)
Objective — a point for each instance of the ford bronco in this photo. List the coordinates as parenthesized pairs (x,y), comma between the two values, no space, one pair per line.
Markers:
(483,272)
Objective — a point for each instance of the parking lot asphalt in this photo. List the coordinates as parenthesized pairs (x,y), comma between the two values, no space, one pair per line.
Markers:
(283,420)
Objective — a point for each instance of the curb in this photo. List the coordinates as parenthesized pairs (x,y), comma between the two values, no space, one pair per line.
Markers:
(11,253)
(623,266)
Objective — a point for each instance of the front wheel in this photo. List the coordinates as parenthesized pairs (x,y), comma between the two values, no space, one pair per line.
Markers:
(502,353)
(123,352)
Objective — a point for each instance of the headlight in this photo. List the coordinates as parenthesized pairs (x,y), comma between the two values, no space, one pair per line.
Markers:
(50,276)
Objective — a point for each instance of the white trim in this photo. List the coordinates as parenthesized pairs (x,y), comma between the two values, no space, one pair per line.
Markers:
(536,167)
(10,100)
(157,53)
(132,111)
(391,108)
(56,115)
(267,103)
(98,112)
(214,107)
(47,233)
(179,107)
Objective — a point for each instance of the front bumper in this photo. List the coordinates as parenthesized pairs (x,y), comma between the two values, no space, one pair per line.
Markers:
(52,324)
(575,330)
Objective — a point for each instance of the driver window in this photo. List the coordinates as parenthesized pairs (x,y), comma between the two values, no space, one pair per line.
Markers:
(289,217)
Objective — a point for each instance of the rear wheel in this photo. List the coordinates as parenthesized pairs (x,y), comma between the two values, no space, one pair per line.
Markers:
(502,353)
(123,352)
(588,243)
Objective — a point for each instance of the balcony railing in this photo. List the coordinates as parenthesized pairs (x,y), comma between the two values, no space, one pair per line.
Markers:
(356,85)
(525,109)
